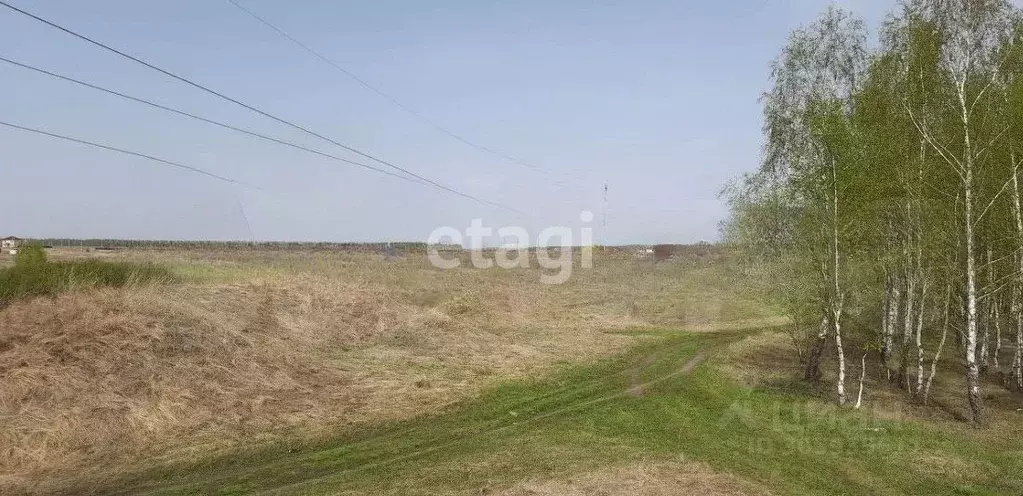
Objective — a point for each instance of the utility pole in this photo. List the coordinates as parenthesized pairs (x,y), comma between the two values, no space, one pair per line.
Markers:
(603,220)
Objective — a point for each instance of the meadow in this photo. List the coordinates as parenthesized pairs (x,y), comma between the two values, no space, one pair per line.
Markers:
(331,372)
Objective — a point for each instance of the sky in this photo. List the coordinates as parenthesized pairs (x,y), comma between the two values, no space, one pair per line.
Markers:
(657,99)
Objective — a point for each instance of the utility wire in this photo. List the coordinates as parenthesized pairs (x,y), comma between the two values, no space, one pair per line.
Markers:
(558,182)
(203,119)
(254,109)
(129,152)
(385,96)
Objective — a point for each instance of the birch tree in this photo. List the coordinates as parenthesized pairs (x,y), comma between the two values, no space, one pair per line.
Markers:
(970,32)
(891,181)
(814,81)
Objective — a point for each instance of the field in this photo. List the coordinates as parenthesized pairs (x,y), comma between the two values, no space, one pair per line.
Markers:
(325,372)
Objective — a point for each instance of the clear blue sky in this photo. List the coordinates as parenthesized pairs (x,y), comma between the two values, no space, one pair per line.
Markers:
(657,98)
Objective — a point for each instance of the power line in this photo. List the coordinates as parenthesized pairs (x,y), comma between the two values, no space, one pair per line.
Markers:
(129,152)
(202,119)
(374,89)
(558,182)
(254,109)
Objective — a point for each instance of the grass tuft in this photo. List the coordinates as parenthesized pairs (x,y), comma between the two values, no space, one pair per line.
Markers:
(40,278)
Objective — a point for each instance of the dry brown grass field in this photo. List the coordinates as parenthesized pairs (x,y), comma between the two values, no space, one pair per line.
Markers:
(330,372)
(254,346)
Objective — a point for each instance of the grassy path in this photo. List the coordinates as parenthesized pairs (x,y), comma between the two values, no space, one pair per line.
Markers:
(653,403)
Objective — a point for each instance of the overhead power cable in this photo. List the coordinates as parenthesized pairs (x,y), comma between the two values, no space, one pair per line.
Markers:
(129,152)
(203,119)
(376,90)
(255,109)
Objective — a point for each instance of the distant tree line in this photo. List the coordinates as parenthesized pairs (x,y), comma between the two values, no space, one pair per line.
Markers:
(888,199)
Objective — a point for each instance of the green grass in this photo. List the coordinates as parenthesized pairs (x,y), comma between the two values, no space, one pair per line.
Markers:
(26,280)
(584,418)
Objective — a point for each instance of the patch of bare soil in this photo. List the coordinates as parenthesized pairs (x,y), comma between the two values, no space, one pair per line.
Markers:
(641,479)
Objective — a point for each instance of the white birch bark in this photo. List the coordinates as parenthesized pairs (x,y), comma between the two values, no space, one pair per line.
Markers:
(919,343)
(985,332)
(971,32)
(863,373)
(839,299)
(1017,311)
(886,308)
(841,356)
(972,368)
(1017,359)
(997,320)
(941,346)
(907,332)
(893,318)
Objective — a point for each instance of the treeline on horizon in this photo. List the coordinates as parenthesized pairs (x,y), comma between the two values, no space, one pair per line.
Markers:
(373,246)
(887,204)
(196,244)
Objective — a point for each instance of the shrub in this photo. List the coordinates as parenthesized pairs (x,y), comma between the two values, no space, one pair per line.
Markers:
(29,255)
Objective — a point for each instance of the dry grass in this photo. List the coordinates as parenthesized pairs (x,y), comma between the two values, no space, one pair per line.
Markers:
(642,479)
(762,359)
(117,374)
(256,346)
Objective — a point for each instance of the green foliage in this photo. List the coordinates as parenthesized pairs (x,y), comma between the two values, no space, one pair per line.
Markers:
(31,277)
(30,255)
(897,176)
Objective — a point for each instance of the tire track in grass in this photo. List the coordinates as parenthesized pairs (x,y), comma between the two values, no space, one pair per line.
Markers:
(493,426)
(686,369)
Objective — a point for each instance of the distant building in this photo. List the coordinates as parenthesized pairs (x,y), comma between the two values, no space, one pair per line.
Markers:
(644,252)
(10,245)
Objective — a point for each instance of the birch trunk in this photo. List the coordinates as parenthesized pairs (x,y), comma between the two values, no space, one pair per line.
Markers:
(863,373)
(893,319)
(985,331)
(997,320)
(1017,359)
(1016,319)
(841,355)
(972,369)
(1017,311)
(907,333)
(941,346)
(919,343)
(838,301)
(886,309)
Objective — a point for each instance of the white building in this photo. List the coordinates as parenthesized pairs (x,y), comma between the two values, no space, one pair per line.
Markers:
(10,242)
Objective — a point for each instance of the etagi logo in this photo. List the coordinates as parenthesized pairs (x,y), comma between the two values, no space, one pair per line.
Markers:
(516,247)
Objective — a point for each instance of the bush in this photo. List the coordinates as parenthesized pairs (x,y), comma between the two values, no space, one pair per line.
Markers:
(33,276)
(29,255)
